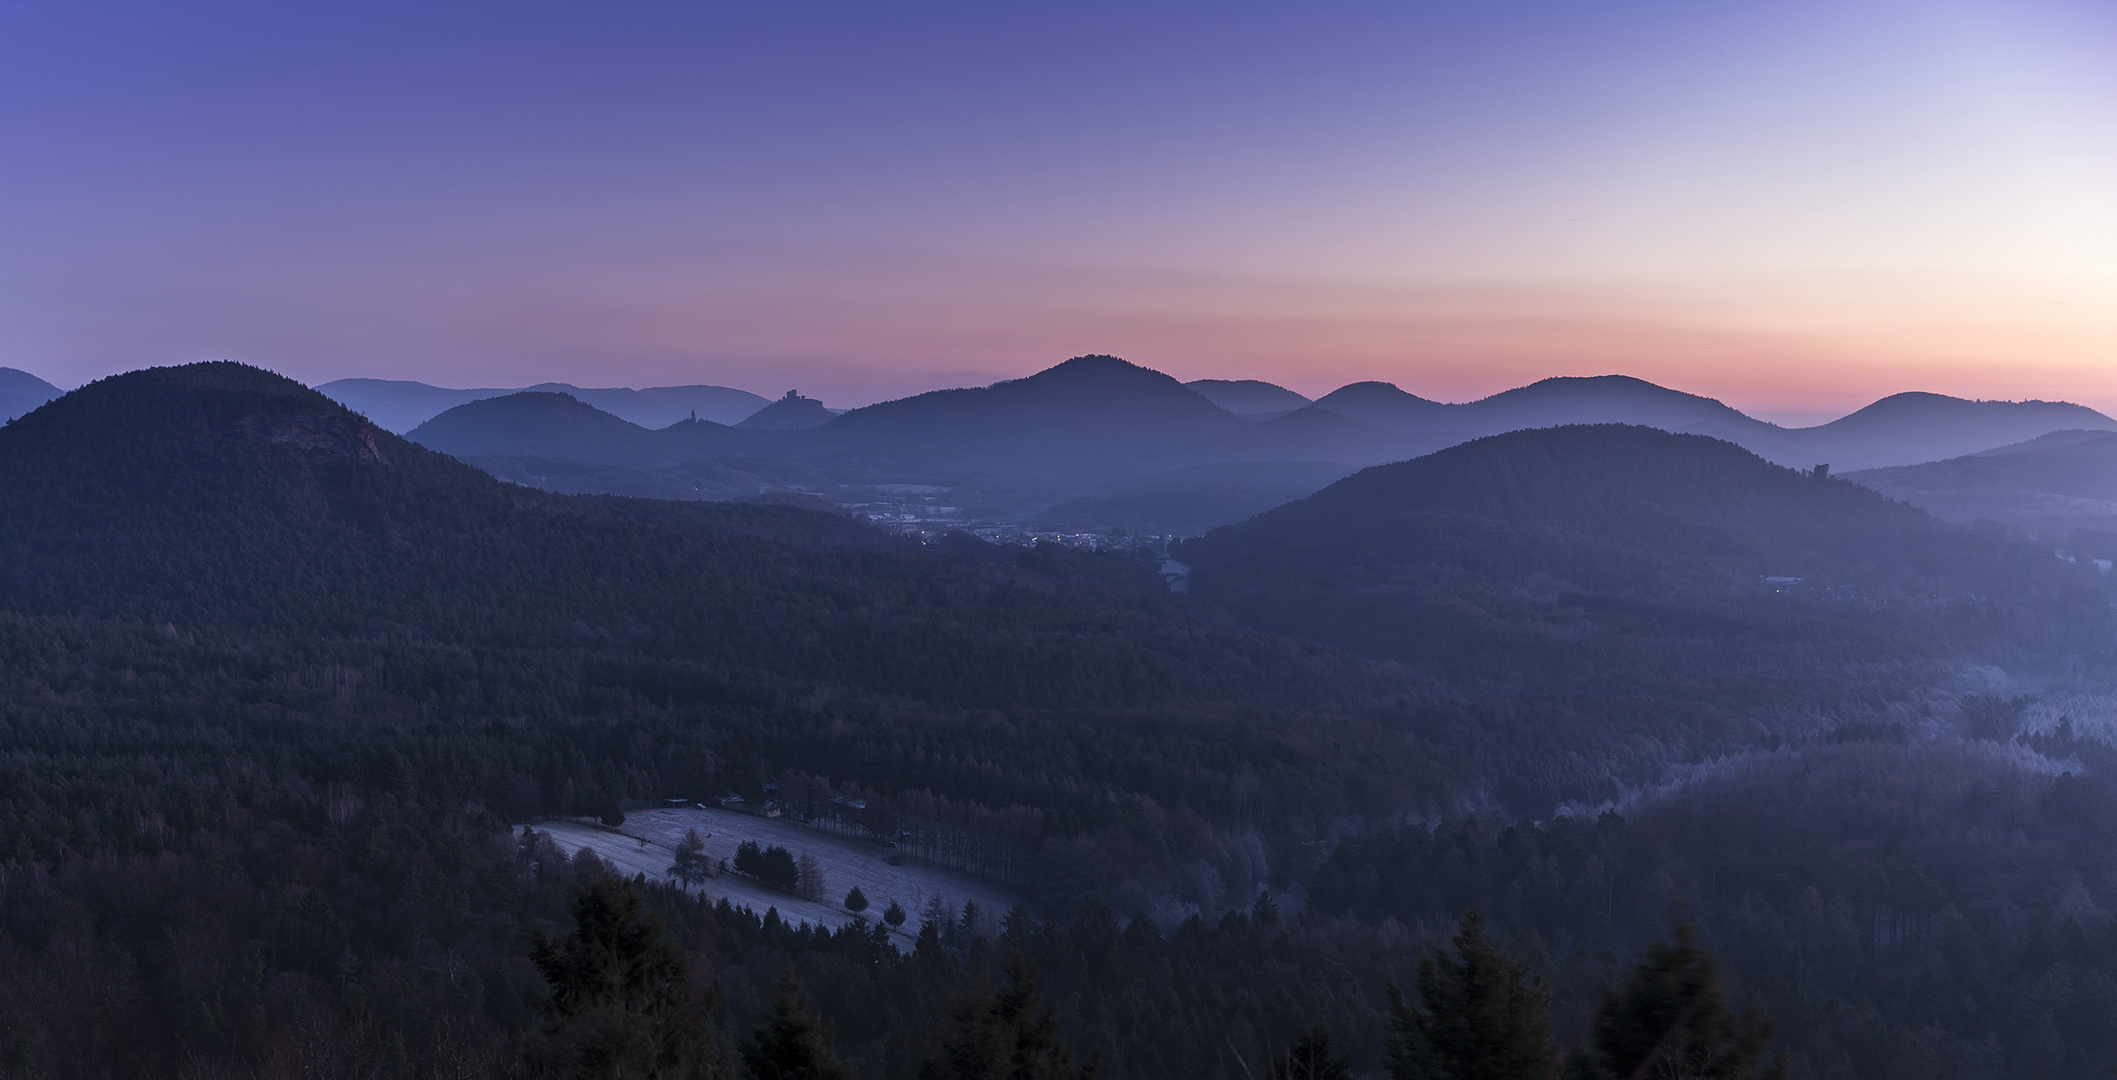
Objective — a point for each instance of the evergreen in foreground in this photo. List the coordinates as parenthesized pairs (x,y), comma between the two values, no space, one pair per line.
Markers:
(1008,1035)
(791,1044)
(1482,1015)
(620,1003)
(1671,1019)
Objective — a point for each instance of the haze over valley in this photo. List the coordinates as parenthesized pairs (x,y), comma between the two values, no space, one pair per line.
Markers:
(1097,446)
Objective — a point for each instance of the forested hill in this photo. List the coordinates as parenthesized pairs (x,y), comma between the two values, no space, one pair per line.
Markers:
(224,501)
(1598,547)
(552,425)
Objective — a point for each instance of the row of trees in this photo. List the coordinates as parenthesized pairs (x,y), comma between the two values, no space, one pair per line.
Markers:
(622,1001)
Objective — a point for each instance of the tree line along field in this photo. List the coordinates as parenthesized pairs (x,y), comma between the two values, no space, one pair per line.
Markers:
(646,844)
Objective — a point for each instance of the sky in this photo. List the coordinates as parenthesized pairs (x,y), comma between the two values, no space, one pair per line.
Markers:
(1794,206)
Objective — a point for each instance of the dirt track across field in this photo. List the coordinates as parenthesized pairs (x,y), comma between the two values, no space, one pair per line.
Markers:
(646,844)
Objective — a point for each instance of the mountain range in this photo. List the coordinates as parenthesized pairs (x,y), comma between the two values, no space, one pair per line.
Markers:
(1100,442)
(2054,484)
(1897,430)
(400,406)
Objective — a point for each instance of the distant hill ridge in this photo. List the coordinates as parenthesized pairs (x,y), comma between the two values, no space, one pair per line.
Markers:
(21,392)
(1899,429)
(542,423)
(400,405)
(1249,397)
(1067,440)
(1122,405)
(2056,485)
(1103,409)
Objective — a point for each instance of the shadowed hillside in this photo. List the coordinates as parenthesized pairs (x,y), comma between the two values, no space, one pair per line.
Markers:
(790,413)
(224,499)
(543,424)
(2054,484)
(1569,550)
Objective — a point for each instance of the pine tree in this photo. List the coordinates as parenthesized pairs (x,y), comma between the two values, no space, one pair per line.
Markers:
(749,858)
(1008,1035)
(1671,1020)
(1264,912)
(1314,1057)
(1481,1016)
(894,914)
(856,901)
(790,1044)
(620,1004)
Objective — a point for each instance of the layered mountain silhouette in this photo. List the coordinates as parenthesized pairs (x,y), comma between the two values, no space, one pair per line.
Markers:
(1606,547)
(1100,406)
(539,423)
(21,392)
(1909,428)
(1066,446)
(1605,399)
(1097,419)
(1901,429)
(1249,397)
(234,504)
(401,406)
(2052,484)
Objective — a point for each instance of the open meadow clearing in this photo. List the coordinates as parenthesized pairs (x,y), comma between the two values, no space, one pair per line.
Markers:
(646,844)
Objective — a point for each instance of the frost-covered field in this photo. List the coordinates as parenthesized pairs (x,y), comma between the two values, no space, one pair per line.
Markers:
(646,844)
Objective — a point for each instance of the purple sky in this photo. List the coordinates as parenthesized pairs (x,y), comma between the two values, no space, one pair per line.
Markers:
(1794,206)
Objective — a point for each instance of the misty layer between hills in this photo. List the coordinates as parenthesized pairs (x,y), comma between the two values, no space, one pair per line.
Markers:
(1098,443)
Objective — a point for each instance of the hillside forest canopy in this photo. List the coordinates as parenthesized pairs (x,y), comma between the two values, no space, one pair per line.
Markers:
(1574,751)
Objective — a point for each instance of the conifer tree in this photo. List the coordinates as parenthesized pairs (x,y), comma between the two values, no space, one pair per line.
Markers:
(620,1004)
(1483,1015)
(855,900)
(1008,1035)
(1264,912)
(1314,1057)
(790,1043)
(1671,1020)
